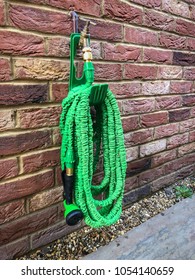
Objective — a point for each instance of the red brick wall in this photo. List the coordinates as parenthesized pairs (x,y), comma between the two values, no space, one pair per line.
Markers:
(144,49)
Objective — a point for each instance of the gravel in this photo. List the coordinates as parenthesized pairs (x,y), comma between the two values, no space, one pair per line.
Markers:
(88,240)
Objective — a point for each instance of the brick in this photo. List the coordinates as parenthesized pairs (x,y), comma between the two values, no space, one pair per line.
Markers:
(131,183)
(119,52)
(193,112)
(155,88)
(45,199)
(59,91)
(150,175)
(122,11)
(11,211)
(41,69)
(58,47)
(186,149)
(179,115)
(41,160)
(188,100)
(189,73)
(135,106)
(142,72)
(187,125)
(130,123)
(159,21)
(138,166)
(2,13)
(108,72)
(21,44)
(192,14)
(177,140)
(184,59)
(7,120)
(39,117)
(158,56)
(13,94)
(163,157)
(152,147)
(24,142)
(8,168)
(169,72)
(140,36)
(171,41)
(132,154)
(181,87)
(56,137)
(138,137)
(149,3)
(125,90)
(22,187)
(164,181)
(15,249)
(179,163)
(190,44)
(192,136)
(184,27)
(168,102)
(166,130)
(5,69)
(154,119)
(177,8)
(28,224)
(136,195)
(29,18)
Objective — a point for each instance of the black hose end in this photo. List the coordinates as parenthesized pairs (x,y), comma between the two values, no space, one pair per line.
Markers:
(74,217)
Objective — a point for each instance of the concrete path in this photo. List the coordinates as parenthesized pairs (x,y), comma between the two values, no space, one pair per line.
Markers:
(167,236)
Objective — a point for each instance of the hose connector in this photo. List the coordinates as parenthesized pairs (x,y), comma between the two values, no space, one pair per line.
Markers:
(87,54)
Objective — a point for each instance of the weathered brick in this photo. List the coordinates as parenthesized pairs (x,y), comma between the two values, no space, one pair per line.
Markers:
(172,41)
(192,14)
(179,115)
(169,72)
(23,94)
(158,20)
(179,163)
(132,153)
(163,157)
(24,44)
(39,117)
(7,120)
(41,160)
(45,199)
(152,147)
(177,8)
(126,90)
(5,69)
(26,186)
(155,88)
(184,27)
(192,136)
(189,73)
(8,168)
(187,125)
(168,102)
(41,69)
(154,119)
(150,175)
(188,100)
(58,47)
(122,11)
(138,166)
(130,123)
(108,72)
(56,137)
(136,195)
(186,149)
(139,72)
(149,3)
(138,137)
(131,183)
(158,56)
(119,52)
(2,13)
(12,211)
(28,224)
(15,249)
(59,91)
(135,106)
(181,87)
(141,36)
(166,130)
(29,18)
(190,44)
(164,181)
(177,140)
(180,58)
(24,142)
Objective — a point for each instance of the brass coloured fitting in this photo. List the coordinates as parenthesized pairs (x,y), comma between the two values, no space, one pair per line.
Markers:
(87,55)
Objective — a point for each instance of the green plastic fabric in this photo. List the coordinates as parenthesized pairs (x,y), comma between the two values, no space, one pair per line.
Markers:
(82,140)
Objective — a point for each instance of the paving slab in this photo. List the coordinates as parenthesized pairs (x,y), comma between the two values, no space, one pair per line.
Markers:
(167,236)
